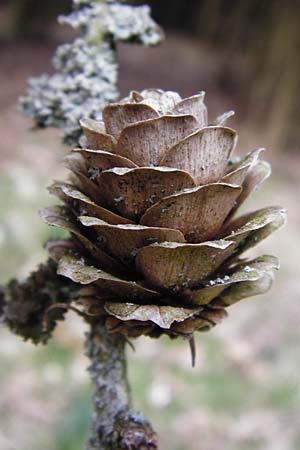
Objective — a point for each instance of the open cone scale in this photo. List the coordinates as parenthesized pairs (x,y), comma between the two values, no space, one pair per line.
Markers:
(150,204)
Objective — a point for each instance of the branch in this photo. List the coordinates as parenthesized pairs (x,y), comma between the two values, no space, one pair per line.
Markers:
(115,425)
(24,305)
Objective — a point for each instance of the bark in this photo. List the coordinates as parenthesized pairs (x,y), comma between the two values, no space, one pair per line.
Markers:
(115,425)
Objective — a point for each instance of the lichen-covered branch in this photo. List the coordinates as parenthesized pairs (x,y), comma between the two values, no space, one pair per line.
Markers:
(115,425)
(85,81)
(24,306)
(86,69)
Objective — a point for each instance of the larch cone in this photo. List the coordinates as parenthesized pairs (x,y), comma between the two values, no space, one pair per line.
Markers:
(151,206)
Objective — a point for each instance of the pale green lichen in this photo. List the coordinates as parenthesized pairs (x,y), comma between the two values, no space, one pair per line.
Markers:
(86,70)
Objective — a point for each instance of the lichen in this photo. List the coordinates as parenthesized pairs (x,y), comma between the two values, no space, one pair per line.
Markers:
(86,69)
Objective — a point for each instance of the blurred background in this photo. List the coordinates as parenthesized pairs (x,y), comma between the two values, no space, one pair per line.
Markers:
(244,393)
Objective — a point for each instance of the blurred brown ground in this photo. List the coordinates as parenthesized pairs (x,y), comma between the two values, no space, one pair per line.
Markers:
(245,391)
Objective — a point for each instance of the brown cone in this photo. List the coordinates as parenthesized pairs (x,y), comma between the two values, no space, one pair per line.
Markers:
(149,204)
